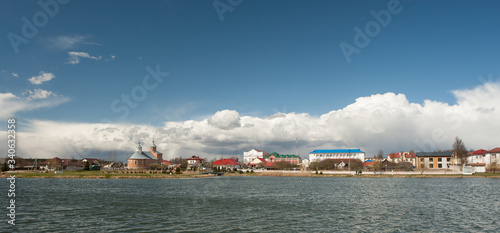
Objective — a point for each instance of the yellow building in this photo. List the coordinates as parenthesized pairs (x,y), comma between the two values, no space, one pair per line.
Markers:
(434,160)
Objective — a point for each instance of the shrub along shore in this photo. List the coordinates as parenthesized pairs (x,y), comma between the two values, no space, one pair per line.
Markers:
(159,175)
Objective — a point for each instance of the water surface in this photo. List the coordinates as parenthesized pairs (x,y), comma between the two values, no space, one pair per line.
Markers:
(257,204)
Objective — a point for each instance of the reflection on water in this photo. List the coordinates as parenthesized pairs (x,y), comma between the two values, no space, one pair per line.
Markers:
(256,204)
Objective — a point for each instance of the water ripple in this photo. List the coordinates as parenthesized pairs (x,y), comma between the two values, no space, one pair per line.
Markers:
(258,204)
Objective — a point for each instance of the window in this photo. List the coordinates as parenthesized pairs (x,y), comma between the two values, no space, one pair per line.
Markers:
(440,165)
(135,162)
(431,160)
(431,165)
(448,160)
(440,160)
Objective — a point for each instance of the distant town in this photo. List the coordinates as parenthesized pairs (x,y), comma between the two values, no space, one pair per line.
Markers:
(457,159)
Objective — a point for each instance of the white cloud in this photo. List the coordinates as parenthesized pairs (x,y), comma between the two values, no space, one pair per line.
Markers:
(38,98)
(111,58)
(384,121)
(74,57)
(225,119)
(66,41)
(43,77)
(15,75)
(39,94)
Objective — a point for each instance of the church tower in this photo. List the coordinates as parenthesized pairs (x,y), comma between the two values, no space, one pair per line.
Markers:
(153,146)
(139,148)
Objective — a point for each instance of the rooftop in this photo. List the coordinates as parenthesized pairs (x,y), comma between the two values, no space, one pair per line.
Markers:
(477,152)
(142,155)
(194,157)
(434,154)
(337,151)
(496,150)
(226,162)
(282,156)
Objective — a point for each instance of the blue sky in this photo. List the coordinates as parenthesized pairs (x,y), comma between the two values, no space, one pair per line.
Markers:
(264,57)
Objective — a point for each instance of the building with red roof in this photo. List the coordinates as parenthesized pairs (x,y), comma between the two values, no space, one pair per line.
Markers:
(401,157)
(476,160)
(492,158)
(194,161)
(369,163)
(257,162)
(227,164)
(166,162)
(253,154)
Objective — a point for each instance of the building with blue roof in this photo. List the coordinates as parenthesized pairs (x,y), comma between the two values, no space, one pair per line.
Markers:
(336,154)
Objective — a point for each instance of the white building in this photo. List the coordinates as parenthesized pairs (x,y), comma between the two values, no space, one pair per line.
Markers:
(403,157)
(344,154)
(194,161)
(253,154)
(306,163)
(492,158)
(477,160)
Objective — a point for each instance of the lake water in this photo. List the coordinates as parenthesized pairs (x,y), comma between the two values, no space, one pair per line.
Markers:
(256,204)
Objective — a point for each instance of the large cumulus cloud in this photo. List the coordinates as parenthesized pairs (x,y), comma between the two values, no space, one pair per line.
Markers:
(225,119)
(382,121)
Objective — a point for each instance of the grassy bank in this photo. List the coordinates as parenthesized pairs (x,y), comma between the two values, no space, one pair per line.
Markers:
(159,175)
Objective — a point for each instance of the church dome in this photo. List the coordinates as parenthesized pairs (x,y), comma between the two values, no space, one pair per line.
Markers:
(139,147)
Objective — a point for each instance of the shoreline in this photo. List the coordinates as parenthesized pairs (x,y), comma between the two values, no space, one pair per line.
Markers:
(186,175)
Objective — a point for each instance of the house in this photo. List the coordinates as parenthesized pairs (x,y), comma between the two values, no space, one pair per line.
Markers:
(57,163)
(492,158)
(369,163)
(275,158)
(403,157)
(144,159)
(339,163)
(90,160)
(253,154)
(194,161)
(257,162)
(336,154)
(227,164)
(477,160)
(115,166)
(306,163)
(434,160)
(166,163)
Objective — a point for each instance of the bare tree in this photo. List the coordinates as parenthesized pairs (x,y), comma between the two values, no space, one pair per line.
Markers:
(493,166)
(357,164)
(460,151)
(380,154)
(283,165)
(422,165)
(377,166)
